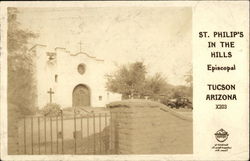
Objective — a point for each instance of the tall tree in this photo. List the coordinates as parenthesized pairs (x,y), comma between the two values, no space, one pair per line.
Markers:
(20,82)
(157,86)
(128,80)
(20,65)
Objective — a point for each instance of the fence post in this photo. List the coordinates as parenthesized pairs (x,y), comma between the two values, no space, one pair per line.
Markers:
(75,130)
(62,129)
(106,133)
(39,150)
(81,129)
(81,134)
(100,135)
(24,127)
(94,131)
(51,136)
(88,142)
(45,142)
(111,133)
(57,134)
(31,119)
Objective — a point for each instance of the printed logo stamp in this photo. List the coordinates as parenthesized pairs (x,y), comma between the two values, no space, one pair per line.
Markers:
(221,136)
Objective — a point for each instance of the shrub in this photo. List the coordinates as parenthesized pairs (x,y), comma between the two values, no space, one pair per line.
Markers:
(51,109)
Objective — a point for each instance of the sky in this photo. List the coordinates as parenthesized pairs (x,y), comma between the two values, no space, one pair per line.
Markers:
(159,36)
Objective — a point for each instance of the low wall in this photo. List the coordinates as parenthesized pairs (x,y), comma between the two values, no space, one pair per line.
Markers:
(146,127)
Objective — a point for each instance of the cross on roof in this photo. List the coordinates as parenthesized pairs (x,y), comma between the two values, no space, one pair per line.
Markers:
(80,43)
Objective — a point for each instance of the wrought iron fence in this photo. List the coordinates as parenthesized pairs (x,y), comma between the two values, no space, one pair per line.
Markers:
(77,134)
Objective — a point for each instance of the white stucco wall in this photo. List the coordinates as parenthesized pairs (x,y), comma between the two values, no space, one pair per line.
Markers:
(68,77)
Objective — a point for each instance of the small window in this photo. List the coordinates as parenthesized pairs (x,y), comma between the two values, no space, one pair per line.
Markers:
(100,98)
(56,77)
(81,68)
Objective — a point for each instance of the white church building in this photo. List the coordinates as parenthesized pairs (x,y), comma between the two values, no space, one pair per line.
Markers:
(70,79)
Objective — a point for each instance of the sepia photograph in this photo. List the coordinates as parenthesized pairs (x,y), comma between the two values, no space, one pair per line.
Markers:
(99,80)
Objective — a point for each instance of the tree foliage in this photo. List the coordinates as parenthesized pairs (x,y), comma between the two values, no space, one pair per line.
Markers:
(128,80)
(189,78)
(156,86)
(20,65)
(132,81)
(51,109)
(189,81)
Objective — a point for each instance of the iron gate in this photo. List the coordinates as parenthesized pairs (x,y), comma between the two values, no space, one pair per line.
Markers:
(77,134)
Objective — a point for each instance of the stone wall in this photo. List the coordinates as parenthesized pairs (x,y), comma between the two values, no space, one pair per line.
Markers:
(146,127)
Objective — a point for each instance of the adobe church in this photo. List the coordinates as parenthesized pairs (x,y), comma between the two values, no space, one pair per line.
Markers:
(70,79)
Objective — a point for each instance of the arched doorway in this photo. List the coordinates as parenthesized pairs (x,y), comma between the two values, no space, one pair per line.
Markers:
(81,96)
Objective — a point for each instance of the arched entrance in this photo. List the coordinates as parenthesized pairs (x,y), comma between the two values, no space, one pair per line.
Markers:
(81,96)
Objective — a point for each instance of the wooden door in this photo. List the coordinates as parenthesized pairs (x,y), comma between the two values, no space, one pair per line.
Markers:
(81,96)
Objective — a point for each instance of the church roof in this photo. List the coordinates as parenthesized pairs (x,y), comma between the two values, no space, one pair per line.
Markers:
(84,53)
(93,57)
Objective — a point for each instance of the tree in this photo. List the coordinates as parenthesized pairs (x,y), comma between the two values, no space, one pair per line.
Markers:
(20,66)
(128,80)
(132,82)
(156,86)
(182,91)
(20,77)
(189,81)
(189,78)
